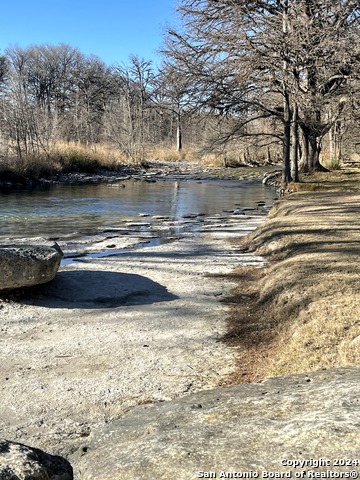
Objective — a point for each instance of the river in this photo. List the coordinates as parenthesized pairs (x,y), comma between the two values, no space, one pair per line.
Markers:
(87,209)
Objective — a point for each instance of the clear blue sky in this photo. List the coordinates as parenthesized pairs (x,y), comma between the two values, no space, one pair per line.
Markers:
(110,29)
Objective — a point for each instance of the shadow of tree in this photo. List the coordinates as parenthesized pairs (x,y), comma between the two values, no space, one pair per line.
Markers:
(312,247)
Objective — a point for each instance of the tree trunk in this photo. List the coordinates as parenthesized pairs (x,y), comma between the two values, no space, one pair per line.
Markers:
(286,174)
(314,164)
(295,145)
(268,158)
(178,136)
(332,145)
(311,153)
(335,150)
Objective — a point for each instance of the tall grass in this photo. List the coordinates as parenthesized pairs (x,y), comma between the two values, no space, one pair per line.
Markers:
(68,157)
(65,157)
(211,159)
(75,157)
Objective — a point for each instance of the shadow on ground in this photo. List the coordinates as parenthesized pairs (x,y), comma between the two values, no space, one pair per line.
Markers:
(301,312)
(97,289)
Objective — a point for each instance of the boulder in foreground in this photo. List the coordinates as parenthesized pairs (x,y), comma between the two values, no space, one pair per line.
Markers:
(28,265)
(21,462)
(247,429)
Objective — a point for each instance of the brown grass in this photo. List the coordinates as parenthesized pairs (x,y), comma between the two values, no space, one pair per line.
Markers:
(302,312)
(66,157)
(166,154)
(73,156)
(342,177)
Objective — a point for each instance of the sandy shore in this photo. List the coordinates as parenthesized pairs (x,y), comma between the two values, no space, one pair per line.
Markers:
(114,332)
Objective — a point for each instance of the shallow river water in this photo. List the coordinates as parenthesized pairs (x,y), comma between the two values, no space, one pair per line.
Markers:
(87,209)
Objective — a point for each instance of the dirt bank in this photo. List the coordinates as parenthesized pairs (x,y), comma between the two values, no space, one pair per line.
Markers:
(302,312)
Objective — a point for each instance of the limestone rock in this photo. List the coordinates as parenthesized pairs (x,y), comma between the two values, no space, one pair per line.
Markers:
(21,462)
(27,265)
(247,428)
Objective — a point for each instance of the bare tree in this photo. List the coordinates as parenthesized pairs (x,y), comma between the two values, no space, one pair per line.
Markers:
(173,94)
(92,90)
(286,59)
(130,110)
(323,67)
(38,91)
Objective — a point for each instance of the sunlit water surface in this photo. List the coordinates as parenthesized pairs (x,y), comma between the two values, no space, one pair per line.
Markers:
(87,209)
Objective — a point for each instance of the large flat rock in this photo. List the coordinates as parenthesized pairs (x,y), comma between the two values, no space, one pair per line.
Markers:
(28,265)
(264,427)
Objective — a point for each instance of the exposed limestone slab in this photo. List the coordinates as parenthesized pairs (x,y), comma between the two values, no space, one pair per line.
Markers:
(27,265)
(248,428)
(21,462)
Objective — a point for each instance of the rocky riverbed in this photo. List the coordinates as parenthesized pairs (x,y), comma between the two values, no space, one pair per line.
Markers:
(149,172)
(115,364)
(113,332)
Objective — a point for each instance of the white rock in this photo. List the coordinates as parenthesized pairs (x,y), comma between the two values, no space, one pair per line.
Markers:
(27,265)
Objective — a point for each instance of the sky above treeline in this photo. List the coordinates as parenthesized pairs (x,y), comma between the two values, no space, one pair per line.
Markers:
(110,29)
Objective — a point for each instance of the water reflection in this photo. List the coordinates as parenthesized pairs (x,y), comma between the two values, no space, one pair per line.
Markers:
(86,208)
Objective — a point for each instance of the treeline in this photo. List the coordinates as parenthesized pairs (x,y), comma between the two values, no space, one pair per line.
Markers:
(62,109)
(241,81)
(54,95)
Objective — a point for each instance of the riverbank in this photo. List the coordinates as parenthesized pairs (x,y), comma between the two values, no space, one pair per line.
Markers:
(149,171)
(111,333)
(301,313)
(115,342)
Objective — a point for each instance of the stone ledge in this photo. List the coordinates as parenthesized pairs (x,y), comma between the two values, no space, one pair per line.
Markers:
(250,427)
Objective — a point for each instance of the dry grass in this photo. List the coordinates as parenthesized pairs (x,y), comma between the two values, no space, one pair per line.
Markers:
(302,313)
(73,156)
(66,157)
(76,157)
(166,154)
(211,159)
(342,177)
